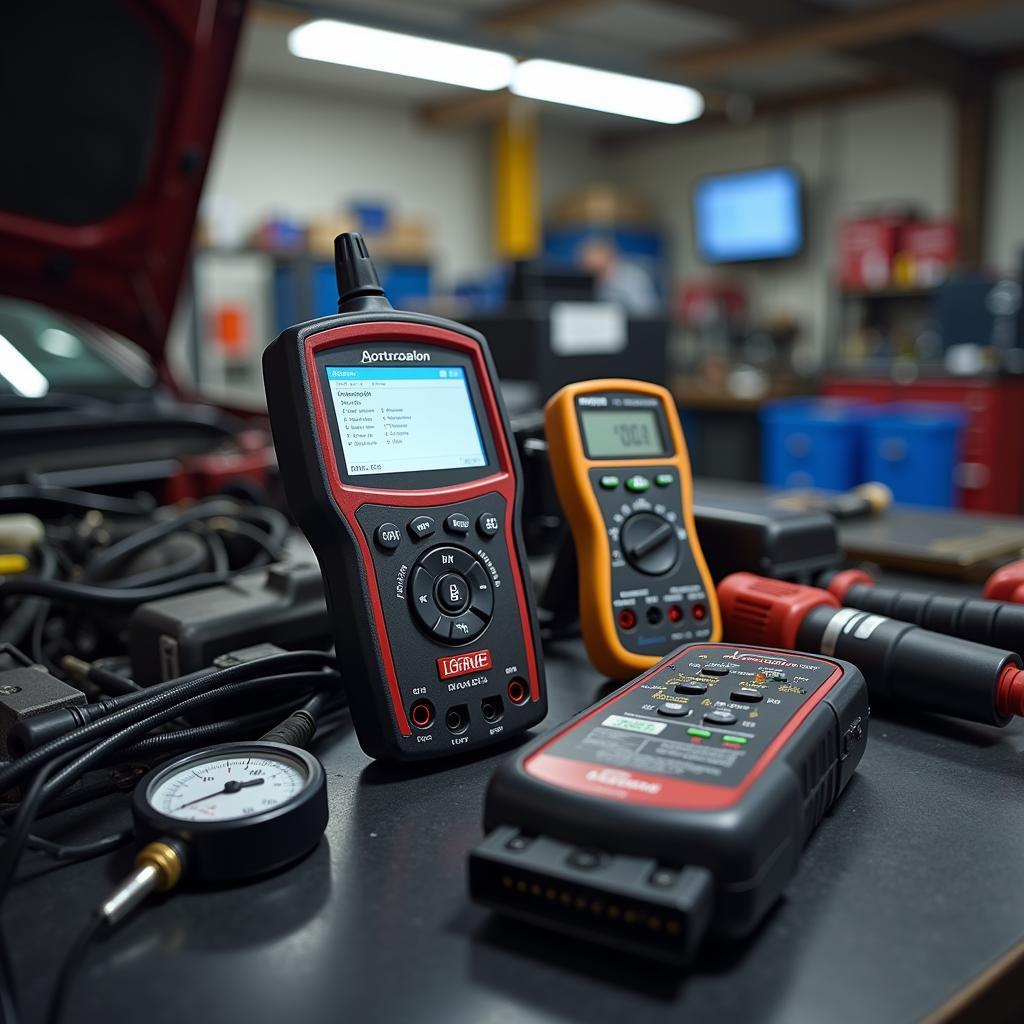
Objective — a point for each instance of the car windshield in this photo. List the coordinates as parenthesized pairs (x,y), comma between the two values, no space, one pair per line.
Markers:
(43,353)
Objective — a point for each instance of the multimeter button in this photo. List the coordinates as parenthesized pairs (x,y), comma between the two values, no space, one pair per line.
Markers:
(664,479)
(673,710)
(457,522)
(693,689)
(442,629)
(609,483)
(388,536)
(638,484)
(421,526)
(465,627)
(422,597)
(451,593)
(714,670)
(720,717)
(746,695)
(488,524)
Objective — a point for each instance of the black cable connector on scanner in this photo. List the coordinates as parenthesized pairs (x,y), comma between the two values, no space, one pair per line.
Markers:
(998,623)
(359,287)
(903,663)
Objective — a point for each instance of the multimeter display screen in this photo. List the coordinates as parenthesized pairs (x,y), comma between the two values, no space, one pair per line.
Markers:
(405,420)
(625,433)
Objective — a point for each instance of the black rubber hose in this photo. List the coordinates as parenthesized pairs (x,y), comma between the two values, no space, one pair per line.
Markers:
(167,697)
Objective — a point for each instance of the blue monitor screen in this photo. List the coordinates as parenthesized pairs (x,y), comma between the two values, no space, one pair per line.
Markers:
(751,215)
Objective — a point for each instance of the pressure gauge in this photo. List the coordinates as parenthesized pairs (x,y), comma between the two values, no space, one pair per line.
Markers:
(241,809)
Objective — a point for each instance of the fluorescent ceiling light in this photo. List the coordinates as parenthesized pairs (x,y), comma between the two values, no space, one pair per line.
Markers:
(608,91)
(356,46)
(26,380)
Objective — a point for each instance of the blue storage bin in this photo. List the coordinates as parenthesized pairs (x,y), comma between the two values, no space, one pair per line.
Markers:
(914,448)
(812,442)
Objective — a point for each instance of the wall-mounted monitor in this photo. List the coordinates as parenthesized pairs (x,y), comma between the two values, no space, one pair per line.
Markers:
(749,215)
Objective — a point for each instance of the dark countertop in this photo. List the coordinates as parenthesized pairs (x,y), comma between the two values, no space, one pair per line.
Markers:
(908,891)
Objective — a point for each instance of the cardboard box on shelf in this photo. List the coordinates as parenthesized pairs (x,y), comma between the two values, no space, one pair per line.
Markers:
(603,205)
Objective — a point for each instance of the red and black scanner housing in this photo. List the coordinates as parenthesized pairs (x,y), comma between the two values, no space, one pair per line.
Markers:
(414,693)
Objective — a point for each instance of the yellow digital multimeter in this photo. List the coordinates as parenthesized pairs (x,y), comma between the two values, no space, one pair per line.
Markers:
(622,473)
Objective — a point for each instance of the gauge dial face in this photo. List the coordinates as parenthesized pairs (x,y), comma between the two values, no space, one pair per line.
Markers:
(225,788)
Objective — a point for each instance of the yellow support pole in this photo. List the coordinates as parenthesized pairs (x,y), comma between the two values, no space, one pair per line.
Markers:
(517,207)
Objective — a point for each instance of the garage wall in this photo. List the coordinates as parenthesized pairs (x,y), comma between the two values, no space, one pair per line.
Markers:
(893,150)
(304,152)
(1004,246)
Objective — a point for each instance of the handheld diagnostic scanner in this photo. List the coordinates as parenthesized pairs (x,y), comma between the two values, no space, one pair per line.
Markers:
(678,805)
(622,473)
(397,461)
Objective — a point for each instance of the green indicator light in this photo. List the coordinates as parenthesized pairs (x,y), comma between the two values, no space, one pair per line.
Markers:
(734,739)
(702,733)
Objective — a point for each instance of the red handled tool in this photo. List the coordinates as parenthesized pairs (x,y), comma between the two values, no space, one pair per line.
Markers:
(1006,583)
(902,663)
(999,623)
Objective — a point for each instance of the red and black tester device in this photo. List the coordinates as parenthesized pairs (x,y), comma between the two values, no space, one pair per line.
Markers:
(396,456)
(678,805)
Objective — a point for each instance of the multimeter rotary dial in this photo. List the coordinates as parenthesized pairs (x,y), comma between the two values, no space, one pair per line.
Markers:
(649,543)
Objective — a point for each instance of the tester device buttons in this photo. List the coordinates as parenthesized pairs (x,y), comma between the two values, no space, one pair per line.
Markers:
(420,527)
(638,484)
(457,523)
(609,482)
(670,709)
(664,480)
(488,524)
(720,717)
(714,670)
(746,695)
(692,689)
(388,536)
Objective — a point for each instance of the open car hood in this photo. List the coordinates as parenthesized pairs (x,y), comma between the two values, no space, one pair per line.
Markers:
(110,110)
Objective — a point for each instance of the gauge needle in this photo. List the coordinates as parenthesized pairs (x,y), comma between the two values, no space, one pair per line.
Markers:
(229,787)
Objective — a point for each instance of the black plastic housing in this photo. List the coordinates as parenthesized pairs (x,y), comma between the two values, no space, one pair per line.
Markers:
(752,535)
(281,604)
(346,574)
(749,848)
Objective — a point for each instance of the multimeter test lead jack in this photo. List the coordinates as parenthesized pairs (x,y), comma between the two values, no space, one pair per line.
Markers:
(903,663)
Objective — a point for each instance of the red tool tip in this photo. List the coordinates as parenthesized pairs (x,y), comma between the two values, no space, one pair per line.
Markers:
(1006,584)
(758,610)
(1010,692)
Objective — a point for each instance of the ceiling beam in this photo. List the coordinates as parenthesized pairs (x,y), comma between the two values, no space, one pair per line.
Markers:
(530,17)
(837,32)
(917,58)
(828,97)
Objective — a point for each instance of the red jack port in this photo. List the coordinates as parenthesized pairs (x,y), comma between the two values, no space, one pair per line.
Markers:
(517,692)
(422,713)
(675,613)
(700,612)
(627,618)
